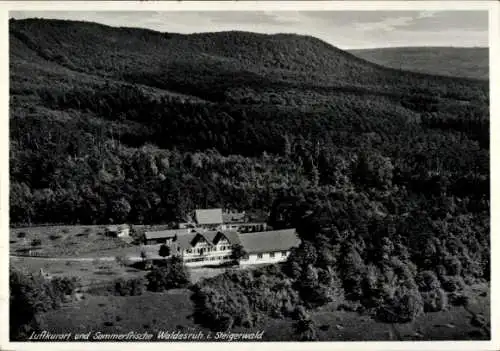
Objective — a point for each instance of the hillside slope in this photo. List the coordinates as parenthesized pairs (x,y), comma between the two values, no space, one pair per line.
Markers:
(283,59)
(449,61)
(101,90)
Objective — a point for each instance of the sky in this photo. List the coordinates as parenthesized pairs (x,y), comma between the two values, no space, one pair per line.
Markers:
(344,29)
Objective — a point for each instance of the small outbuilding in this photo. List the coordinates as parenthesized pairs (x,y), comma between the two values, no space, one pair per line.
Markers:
(118,231)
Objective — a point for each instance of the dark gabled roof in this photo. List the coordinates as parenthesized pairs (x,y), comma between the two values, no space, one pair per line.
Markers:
(186,241)
(200,237)
(276,240)
(231,235)
(164,234)
(209,216)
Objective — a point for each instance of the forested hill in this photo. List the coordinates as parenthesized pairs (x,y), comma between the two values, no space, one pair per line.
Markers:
(195,63)
(450,61)
(113,124)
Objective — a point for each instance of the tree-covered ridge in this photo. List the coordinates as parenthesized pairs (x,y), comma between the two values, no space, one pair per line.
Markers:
(119,52)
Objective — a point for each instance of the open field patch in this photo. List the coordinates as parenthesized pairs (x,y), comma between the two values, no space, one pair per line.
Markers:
(58,241)
(89,271)
(173,310)
(149,312)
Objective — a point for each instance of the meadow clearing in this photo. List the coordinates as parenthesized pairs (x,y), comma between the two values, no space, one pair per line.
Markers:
(173,310)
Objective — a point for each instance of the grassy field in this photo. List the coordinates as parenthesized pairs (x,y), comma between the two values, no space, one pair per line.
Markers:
(59,241)
(148,312)
(89,271)
(78,241)
(173,311)
(451,324)
(96,271)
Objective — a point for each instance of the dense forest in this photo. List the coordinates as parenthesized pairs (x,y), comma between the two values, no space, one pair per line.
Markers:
(385,173)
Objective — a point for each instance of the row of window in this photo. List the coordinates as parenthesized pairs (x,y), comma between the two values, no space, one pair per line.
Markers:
(213,258)
(271,255)
(208,249)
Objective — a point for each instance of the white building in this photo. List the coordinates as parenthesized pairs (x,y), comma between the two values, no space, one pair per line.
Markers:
(205,247)
(268,247)
(119,231)
(216,219)
(209,219)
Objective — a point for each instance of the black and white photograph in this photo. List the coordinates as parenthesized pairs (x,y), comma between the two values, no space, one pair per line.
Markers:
(225,175)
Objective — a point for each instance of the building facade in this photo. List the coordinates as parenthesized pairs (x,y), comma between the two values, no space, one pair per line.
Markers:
(206,247)
(268,247)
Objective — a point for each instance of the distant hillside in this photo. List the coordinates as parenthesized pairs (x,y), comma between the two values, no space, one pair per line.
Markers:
(449,61)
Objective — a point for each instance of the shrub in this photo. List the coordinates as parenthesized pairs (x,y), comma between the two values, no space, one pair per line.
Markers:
(36,242)
(66,285)
(172,274)
(372,285)
(164,251)
(245,295)
(292,269)
(427,281)
(457,299)
(453,266)
(54,237)
(435,300)
(305,329)
(130,287)
(21,235)
(352,269)
(403,308)
(452,283)
(238,252)
(299,313)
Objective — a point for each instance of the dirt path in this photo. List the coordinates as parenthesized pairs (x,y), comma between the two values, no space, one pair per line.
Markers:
(109,258)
